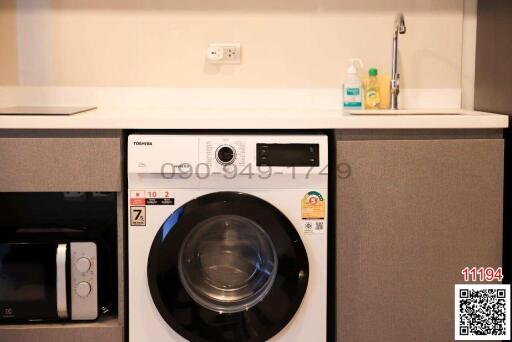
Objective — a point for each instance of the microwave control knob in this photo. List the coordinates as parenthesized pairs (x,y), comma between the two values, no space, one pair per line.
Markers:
(83,289)
(83,265)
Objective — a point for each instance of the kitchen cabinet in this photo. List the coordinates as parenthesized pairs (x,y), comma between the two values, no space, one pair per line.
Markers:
(68,161)
(493,87)
(104,330)
(412,212)
(49,160)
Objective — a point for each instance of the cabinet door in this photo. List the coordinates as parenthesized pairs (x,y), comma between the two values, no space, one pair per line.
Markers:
(64,163)
(410,216)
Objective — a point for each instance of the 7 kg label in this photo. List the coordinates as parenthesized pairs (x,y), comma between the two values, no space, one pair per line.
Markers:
(137,216)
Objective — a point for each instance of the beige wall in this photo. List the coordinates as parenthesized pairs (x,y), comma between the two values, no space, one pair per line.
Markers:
(285,43)
(8,49)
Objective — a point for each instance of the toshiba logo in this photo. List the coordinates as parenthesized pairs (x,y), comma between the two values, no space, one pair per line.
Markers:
(147,143)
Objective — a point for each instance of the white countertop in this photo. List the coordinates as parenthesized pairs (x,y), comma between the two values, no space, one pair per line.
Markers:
(227,108)
(232,118)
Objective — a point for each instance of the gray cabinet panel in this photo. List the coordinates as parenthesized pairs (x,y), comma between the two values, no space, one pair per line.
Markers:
(493,49)
(102,331)
(60,164)
(410,216)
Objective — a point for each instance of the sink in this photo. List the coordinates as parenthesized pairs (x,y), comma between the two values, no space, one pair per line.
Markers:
(410,112)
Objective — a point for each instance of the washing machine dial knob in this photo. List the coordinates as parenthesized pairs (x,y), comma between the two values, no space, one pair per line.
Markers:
(226,155)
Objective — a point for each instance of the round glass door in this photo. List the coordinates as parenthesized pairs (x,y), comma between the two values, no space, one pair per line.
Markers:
(227,263)
(227,266)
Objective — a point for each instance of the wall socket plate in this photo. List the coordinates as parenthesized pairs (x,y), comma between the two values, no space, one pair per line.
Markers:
(224,53)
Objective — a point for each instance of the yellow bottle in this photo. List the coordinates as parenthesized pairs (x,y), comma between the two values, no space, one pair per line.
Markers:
(372,93)
(384,91)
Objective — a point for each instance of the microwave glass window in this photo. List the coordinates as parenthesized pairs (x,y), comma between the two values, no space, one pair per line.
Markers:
(27,272)
(20,283)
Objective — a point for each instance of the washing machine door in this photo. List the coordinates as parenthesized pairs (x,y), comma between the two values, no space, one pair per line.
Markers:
(227,266)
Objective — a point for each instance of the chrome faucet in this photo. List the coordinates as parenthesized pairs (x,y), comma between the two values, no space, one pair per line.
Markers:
(399,28)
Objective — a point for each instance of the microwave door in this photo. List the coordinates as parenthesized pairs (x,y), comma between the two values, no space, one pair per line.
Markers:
(30,276)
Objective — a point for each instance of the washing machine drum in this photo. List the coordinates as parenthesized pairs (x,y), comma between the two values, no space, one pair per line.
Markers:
(227,266)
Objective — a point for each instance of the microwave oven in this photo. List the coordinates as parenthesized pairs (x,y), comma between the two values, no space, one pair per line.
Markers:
(45,279)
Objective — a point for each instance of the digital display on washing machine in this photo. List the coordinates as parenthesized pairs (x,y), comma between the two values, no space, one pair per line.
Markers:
(287,155)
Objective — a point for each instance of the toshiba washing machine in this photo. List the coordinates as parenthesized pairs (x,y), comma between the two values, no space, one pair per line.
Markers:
(227,237)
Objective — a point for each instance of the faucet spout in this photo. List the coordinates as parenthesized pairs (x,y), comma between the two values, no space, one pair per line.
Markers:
(400,24)
(399,28)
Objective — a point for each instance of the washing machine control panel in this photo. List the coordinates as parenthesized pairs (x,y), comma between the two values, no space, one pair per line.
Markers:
(232,154)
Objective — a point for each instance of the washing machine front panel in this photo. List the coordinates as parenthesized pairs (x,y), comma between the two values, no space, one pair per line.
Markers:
(293,191)
(227,266)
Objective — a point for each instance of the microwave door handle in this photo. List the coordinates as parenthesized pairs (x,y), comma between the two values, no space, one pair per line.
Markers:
(61,292)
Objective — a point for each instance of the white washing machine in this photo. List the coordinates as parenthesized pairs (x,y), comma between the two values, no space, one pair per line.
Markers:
(227,237)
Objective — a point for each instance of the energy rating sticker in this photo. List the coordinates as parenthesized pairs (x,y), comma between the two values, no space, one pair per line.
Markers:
(313,206)
(138,216)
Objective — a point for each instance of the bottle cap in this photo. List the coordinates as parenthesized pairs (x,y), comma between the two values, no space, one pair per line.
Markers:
(373,72)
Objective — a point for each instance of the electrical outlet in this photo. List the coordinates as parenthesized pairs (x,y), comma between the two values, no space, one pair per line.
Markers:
(224,53)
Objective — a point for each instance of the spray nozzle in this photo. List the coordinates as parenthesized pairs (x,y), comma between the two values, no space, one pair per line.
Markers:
(352,69)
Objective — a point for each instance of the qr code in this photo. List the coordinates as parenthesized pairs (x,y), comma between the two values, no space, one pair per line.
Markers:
(482,312)
(319,225)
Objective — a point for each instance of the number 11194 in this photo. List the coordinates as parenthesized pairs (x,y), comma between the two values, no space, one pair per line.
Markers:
(482,274)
